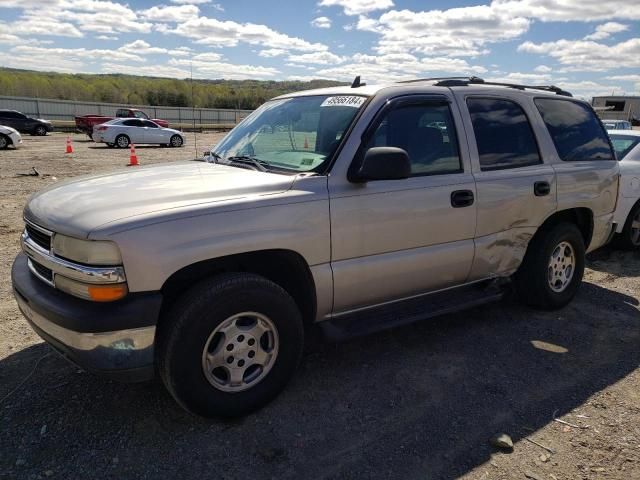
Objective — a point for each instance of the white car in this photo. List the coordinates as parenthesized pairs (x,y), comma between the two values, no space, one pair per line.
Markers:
(617,125)
(121,132)
(626,143)
(9,136)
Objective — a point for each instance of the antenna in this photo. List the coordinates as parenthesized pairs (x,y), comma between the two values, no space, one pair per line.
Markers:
(193,114)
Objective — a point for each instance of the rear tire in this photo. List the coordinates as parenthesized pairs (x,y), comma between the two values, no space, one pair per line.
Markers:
(203,330)
(629,238)
(176,141)
(553,266)
(122,141)
(4,142)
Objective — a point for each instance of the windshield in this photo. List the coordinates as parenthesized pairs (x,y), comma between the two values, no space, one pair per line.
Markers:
(623,144)
(297,134)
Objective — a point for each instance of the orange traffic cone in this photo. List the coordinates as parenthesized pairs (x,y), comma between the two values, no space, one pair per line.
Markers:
(133,159)
(69,146)
(306,143)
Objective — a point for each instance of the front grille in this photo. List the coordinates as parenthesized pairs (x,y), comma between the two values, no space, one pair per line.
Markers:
(40,238)
(44,272)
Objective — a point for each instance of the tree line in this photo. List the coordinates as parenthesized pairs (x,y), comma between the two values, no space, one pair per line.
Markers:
(140,90)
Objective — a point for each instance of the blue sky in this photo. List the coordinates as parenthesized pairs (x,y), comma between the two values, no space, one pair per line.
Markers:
(589,47)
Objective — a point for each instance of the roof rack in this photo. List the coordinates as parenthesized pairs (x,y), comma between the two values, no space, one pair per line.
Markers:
(465,81)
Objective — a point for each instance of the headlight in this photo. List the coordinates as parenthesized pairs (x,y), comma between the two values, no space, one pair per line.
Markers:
(96,293)
(88,252)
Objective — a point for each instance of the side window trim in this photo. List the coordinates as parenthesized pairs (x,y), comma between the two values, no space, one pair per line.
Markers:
(399,102)
(533,133)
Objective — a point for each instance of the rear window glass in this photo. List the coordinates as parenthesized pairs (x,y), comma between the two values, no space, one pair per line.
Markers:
(503,134)
(575,130)
(623,144)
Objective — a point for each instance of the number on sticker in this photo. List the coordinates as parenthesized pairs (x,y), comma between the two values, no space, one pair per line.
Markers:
(343,101)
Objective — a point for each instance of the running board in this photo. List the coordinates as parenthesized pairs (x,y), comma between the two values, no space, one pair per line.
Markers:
(403,312)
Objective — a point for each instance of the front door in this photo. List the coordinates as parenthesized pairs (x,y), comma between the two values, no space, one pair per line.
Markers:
(393,239)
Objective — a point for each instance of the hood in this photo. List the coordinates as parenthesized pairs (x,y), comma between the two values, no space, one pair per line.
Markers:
(7,130)
(78,206)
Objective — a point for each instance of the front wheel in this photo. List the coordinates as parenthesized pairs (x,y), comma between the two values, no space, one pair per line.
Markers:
(176,141)
(40,131)
(4,142)
(553,266)
(229,345)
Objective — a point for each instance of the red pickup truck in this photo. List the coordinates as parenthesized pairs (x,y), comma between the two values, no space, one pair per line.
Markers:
(85,123)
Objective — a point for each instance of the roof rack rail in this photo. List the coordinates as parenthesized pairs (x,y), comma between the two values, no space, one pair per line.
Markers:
(465,81)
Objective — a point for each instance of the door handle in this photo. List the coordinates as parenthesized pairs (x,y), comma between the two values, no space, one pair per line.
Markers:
(541,189)
(461,198)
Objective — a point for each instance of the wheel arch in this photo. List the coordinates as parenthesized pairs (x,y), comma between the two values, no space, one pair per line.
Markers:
(286,268)
(582,217)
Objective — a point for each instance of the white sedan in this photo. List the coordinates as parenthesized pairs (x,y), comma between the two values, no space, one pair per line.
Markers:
(9,136)
(121,132)
(626,143)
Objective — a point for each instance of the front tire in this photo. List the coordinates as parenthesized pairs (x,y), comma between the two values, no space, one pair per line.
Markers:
(176,141)
(229,345)
(4,142)
(40,131)
(629,238)
(122,141)
(553,266)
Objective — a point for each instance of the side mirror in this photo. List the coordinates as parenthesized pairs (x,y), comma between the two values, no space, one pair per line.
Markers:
(383,163)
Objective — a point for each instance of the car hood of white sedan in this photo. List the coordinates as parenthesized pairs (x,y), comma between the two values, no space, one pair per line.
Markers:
(81,205)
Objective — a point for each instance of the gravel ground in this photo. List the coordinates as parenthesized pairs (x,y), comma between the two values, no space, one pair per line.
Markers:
(416,402)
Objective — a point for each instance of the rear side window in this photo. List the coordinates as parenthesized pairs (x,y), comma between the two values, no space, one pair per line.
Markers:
(575,130)
(503,134)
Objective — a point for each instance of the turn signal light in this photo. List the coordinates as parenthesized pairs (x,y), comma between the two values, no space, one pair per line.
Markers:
(107,293)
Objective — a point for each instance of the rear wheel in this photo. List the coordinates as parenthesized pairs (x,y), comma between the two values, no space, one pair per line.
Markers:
(40,131)
(176,141)
(553,266)
(629,238)
(122,141)
(4,142)
(229,345)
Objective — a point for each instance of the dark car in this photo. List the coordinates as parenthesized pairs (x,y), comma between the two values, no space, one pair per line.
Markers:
(24,124)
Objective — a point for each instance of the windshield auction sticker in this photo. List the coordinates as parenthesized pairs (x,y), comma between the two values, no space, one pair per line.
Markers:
(344,101)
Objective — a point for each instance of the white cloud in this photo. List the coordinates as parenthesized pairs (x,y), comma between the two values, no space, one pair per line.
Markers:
(191,2)
(272,52)
(569,10)
(210,31)
(358,7)
(43,25)
(397,66)
(321,22)
(107,37)
(454,32)
(162,13)
(320,58)
(542,69)
(141,48)
(606,29)
(207,69)
(582,55)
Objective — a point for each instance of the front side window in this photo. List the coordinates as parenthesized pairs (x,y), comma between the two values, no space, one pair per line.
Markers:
(132,123)
(503,134)
(575,130)
(298,134)
(426,132)
(624,144)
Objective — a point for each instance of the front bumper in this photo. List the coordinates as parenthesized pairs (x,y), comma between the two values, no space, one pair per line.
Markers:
(114,339)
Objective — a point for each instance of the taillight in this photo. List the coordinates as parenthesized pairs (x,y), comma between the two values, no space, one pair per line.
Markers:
(101,129)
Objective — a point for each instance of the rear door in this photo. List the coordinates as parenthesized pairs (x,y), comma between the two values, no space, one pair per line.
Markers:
(516,186)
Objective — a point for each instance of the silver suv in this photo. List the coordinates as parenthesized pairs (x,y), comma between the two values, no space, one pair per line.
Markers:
(345,210)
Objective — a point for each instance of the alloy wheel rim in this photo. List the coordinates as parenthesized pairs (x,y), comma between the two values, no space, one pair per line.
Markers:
(240,352)
(3,142)
(122,142)
(635,229)
(41,131)
(562,265)
(176,142)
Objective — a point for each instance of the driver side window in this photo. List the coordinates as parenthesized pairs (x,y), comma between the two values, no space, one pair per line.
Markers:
(426,132)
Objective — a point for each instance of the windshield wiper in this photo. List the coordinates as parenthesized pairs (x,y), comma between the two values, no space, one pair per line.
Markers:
(247,160)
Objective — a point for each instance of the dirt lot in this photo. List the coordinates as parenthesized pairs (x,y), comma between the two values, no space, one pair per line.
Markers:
(416,402)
